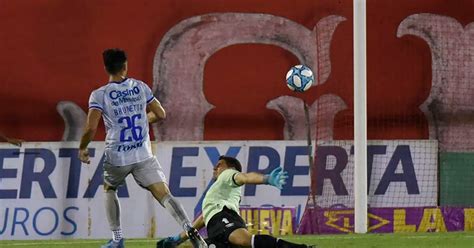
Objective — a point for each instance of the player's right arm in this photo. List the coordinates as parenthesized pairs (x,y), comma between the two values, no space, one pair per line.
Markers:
(93,118)
(198,224)
(12,141)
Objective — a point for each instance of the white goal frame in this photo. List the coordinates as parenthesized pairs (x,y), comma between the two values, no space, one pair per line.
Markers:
(360,116)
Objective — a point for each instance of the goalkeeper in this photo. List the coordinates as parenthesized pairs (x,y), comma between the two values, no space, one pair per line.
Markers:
(225,227)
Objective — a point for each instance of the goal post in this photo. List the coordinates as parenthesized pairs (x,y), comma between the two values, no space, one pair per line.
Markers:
(360,117)
(376,143)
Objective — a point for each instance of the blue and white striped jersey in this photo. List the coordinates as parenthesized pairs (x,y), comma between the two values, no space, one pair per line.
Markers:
(123,105)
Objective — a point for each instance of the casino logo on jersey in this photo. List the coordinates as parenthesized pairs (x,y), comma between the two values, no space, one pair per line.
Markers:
(114,94)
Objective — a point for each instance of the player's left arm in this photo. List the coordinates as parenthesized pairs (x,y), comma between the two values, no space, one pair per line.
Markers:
(276,178)
(93,118)
(155,111)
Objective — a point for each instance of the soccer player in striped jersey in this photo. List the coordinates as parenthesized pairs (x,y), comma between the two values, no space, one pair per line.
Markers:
(220,209)
(127,105)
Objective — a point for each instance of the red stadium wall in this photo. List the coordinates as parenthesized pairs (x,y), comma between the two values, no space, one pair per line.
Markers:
(51,52)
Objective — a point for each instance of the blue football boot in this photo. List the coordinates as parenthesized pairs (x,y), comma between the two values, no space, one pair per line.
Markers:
(113,244)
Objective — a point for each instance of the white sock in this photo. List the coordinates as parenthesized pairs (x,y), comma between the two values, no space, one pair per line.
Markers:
(176,210)
(117,235)
(112,209)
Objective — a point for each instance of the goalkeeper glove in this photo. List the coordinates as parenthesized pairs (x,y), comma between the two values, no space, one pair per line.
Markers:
(276,178)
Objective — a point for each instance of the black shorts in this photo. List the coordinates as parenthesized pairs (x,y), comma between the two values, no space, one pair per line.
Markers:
(221,225)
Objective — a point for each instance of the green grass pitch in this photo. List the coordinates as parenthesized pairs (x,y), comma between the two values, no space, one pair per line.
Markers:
(429,240)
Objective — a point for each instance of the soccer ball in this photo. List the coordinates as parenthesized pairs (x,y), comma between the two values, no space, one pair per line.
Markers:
(299,78)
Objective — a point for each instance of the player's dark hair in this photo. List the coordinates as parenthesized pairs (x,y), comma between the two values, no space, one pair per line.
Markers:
(232,162)
(114,60)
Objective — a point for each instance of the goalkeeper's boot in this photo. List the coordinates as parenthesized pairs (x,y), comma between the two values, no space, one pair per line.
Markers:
(286,244)
(167,243)
(195,238)
(113,244)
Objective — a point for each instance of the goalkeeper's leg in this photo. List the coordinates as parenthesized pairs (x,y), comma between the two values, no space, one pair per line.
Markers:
(242,237)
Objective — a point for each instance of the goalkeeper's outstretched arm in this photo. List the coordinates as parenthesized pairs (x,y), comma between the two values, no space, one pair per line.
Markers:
(276,178)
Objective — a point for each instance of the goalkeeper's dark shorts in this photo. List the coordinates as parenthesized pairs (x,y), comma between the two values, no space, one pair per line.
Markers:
(221,225)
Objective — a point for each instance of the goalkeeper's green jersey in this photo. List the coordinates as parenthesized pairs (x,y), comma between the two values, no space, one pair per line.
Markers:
(225,192)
